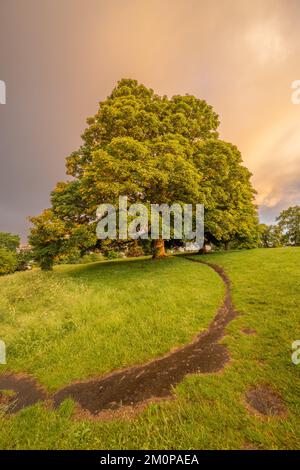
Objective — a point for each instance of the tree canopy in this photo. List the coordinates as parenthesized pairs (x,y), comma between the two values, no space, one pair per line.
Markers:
(8,252)
(230,214)
(9,241)
(271,236)
(289,222)
(153,150)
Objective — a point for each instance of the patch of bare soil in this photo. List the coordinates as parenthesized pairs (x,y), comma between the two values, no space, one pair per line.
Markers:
(6,397)
(19,391)
(131,388)
(265,401)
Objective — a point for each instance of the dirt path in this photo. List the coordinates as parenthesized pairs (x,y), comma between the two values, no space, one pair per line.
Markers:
(26,392)
(135,385)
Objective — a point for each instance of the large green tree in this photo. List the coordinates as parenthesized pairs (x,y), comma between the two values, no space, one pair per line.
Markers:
(153,150)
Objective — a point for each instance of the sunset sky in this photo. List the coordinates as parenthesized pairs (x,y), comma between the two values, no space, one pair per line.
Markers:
(58,58)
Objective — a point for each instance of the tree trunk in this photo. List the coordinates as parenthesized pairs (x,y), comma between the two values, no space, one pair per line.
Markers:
(226,245)
(159,248)
(202,250)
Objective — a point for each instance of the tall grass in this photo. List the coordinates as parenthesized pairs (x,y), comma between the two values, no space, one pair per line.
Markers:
(85,320)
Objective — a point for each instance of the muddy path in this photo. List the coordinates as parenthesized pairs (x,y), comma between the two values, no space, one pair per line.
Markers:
(25,392)
(143,383)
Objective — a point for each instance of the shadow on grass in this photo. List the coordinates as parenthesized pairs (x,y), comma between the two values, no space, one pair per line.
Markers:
(121,268)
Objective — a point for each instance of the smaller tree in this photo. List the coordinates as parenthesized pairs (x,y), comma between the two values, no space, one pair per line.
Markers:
(289,223)
(9,241)
(270,236)
(46,238)
(8,261)
(51,237)
(8,252)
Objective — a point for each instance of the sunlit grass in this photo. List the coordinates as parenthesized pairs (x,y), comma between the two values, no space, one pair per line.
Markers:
(208,411)
(86,320)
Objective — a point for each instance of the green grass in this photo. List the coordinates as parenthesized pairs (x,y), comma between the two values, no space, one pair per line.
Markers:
(81,321)
(208,411)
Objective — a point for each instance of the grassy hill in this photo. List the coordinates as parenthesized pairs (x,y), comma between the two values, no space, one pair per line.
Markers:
(81,321)
(85,320)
